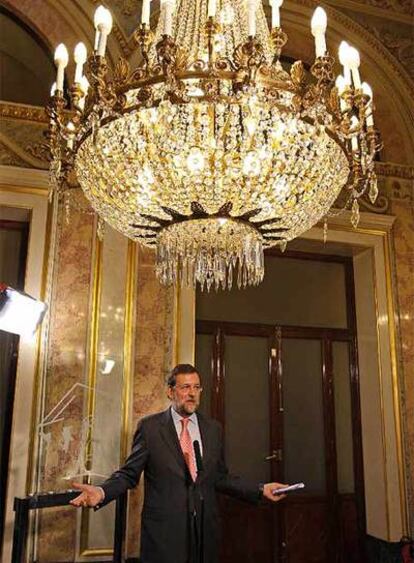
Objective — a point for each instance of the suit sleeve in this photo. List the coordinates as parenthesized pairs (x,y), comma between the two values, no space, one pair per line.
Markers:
(233,485)
(129,474)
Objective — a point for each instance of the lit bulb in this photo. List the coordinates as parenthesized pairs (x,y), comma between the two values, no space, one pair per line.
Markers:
(353,57)
(276,4)
(344,60)
(61,59)
(103,26)
(251,164)
(71,134)
(195,160)
(80,56)
(319,21)
(341,86)
(80,53)
(103,19)
(343,53)
(53,89)
(61,55)
(354,62)
(354,138)
(318,25)
(366,88)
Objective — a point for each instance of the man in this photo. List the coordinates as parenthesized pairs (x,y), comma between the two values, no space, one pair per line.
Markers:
(180,510)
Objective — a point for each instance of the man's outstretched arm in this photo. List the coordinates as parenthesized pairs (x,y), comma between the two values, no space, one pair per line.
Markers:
(124,478)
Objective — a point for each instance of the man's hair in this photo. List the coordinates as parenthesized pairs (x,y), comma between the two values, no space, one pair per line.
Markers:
(180,368)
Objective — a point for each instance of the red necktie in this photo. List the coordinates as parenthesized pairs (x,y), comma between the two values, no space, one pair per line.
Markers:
(187,448)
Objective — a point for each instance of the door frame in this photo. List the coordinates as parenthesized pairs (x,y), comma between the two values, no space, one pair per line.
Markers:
(326,337)
(371,248)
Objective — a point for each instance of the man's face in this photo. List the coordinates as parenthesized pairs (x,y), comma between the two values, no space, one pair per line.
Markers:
(185,396)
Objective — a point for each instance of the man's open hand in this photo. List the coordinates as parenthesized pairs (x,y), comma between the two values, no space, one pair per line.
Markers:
(90,495)
(270,491)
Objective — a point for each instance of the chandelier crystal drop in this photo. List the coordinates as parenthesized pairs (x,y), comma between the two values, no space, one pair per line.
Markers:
(210,151)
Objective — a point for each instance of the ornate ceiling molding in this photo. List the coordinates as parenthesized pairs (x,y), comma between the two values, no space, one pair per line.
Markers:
(394,170)
(397,10)
(21,112)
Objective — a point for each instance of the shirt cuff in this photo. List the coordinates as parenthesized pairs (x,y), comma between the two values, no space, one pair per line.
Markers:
(103,494)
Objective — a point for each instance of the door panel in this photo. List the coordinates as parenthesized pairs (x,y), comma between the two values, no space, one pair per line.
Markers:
(247,406)
(304,450)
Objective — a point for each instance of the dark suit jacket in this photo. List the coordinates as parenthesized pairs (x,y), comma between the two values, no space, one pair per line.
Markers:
(171,497)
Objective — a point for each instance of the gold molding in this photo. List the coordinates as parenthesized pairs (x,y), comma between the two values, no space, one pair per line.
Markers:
(395,170)
(130,292)
(23,112)
(372,10)
(91,371)
(396,391)
(23,190)
(381,393)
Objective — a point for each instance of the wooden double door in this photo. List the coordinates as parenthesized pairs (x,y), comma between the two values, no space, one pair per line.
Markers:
(288,400)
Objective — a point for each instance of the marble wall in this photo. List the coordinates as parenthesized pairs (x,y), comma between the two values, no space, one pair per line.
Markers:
(402,206)
(64,372)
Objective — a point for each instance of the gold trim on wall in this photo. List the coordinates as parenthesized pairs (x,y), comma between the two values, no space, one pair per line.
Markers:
(129,319)
(130,292)
(381,396)
(388,254)
(23,190)
(91,371)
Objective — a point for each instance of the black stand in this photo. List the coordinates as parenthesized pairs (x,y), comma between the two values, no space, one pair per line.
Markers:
(22,506)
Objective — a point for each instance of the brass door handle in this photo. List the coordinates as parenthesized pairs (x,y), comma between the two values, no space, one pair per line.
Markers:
(275,455)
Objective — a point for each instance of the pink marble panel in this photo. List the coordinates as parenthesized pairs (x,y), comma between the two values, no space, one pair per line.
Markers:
(65,369)
(153,359)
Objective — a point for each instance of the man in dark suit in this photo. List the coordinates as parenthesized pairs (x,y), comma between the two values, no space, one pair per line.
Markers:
(180,501)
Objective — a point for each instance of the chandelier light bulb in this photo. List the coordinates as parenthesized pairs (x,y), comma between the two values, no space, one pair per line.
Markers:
(167,7)
(61,55)
(344,59)
(211,8)
(80,56)
(354,62)
(318,26)
(61,60)
(103,19)
(367,90)
(53,89)
(341,85)
(275,4)
(319,21)
(103,26)
(145,14)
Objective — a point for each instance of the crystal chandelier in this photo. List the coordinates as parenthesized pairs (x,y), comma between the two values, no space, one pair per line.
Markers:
(210,151)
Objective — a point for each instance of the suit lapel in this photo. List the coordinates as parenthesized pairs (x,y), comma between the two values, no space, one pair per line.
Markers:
(169,434)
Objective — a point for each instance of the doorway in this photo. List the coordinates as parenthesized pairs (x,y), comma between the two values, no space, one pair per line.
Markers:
(288,399)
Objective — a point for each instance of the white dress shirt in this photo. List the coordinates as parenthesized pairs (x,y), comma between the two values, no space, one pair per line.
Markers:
(193,427)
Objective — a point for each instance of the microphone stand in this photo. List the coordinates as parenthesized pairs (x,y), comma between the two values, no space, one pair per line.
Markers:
(199,464)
